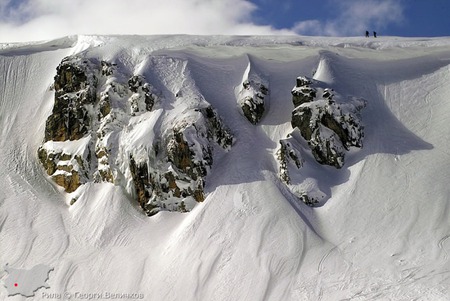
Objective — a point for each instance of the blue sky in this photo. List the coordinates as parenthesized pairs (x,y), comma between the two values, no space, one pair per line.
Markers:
(23,20)
(418,18)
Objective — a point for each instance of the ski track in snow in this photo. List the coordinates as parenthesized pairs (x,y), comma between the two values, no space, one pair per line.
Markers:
(381,235)
(441,245)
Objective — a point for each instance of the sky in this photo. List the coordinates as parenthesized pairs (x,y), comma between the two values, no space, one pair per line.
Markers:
(29,20)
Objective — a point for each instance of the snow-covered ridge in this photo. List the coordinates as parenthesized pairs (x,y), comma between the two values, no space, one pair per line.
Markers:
(380,230)
(163,42)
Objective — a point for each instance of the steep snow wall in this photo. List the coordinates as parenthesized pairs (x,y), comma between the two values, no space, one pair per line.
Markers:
(382,233)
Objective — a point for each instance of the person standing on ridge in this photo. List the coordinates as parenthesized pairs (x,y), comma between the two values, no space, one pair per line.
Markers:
(374,34)
(367,33)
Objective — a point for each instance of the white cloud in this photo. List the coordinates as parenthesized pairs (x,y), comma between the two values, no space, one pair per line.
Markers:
(309,27)
(354,17)
(45,19)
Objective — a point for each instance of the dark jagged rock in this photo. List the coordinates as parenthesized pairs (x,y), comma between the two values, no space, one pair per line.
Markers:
(181,162)
(302,95)
(252,97)
(327,148)
(70,182)
(96,105)
(328,94)
(108,68)
(308,200)
(135,82)
(301,119)
(77,113)
(104,172)
(67,170)
(291,161)
(75,89)
(181,156)
(143,90)
(104,106)
(69,120)
(329,127)
(216,131)
(303,92)
(139,173)
(71,76)
(303,81)
(287,155)
(253,110)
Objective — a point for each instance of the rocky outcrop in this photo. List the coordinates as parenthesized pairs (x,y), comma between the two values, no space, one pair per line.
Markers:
(324,124)
(107,126)
(303,92)
(68,166)
(142,94)
(66,154)
(139,172)
(252,95)
(329,126)
(288,157)
(173,178)
(215,129)
(89,103)
(75,91)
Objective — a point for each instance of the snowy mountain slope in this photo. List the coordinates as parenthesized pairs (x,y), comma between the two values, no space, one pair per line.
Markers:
(381,233)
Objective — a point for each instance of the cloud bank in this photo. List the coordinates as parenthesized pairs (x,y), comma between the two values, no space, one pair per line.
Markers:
(25,20)
(354,17)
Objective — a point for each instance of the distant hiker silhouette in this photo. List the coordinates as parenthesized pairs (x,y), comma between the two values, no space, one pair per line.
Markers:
(367,34)
(374,34)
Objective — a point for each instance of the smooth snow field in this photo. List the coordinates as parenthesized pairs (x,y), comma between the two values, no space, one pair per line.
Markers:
(382,231)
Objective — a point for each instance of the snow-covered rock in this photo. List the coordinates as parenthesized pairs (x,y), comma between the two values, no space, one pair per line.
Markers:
(75,89)
(172,176)
(330,123)
(99,111)
(67,162)
(303,92)
(288,156)
(142,94)
(325,124)
(252,95)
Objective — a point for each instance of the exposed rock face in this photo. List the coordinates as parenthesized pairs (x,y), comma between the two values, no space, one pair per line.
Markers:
(141,90)
(107,126)
(329,127)
(303,92)
(252,95)
(287,156)
(323,123)
(75,90)
(173,178)
(141,183)
(215,129)
(68,168)
(66,153)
